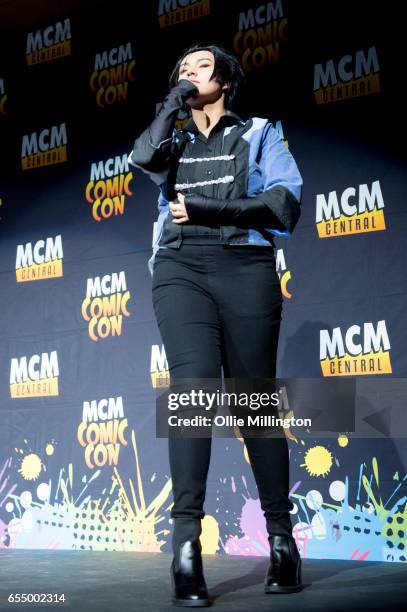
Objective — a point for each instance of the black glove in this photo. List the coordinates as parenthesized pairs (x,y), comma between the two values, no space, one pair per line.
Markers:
(275,208)
(152,149)
(162,125)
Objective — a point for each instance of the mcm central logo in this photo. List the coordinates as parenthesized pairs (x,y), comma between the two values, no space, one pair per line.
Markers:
(351,76)
(39,260)
(51,43)
(356,210)
(35,376)
(358,350)
(172,12)
(160,376)
(44,148)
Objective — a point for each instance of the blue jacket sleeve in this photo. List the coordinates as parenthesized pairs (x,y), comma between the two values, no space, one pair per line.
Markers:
(279,169)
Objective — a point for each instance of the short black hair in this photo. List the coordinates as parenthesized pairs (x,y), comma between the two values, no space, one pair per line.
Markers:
(227,69)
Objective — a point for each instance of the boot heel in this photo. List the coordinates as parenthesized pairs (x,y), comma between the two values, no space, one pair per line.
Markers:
(284,572)
(187,578)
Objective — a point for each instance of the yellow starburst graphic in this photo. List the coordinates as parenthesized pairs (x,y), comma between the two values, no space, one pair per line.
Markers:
(343,440)
(30,467)
(318,461)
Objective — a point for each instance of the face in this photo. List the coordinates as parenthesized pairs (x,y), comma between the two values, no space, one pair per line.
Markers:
(198,68)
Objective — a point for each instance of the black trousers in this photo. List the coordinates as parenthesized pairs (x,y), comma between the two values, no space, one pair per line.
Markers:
(220,306)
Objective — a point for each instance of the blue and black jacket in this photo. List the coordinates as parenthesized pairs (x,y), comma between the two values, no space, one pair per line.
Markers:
(242,179)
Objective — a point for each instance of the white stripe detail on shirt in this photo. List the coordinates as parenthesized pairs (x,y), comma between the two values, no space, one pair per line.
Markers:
(223,179)
(190,160)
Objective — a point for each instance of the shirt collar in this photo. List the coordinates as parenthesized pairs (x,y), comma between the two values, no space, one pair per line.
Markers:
(229,118)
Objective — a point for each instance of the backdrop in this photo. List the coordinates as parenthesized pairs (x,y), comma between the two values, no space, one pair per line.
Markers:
(80,352)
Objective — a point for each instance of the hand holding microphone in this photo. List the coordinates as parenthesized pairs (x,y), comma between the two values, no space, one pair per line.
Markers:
(187,90)
(162,125)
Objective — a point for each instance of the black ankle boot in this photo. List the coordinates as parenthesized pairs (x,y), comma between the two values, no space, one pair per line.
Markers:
(188,582)
(284,572)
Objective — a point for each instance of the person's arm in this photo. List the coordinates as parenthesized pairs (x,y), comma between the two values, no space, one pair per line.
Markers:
(277,207)
(240,212)
(152,149)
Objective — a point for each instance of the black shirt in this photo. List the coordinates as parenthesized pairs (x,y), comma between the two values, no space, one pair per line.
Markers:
(203,148)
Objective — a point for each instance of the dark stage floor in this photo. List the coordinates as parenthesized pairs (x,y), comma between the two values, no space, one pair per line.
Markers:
(100,581)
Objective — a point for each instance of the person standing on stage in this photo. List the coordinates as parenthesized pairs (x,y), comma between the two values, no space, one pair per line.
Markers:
(227,186)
